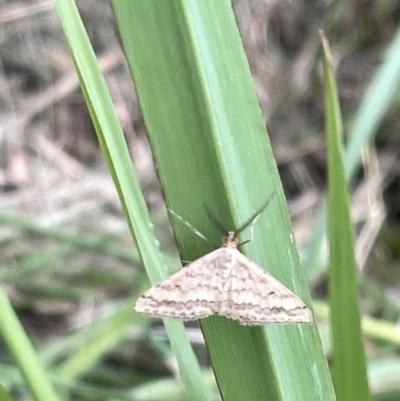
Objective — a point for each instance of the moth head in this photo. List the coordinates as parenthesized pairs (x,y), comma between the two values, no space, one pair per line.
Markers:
(230,240)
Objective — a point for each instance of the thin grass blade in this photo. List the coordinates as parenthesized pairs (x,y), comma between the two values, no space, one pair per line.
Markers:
(349,366)
(23,352)
(115,150)
(376,102)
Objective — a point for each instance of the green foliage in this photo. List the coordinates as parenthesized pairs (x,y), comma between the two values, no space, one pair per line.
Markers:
(114,147)
(4,396)
(369,115)
(23,352)
(210,147)
(349,370)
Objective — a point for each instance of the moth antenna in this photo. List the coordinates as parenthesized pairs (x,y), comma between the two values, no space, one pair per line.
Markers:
(194,230)
(215,222)
(255,216)
(251,233)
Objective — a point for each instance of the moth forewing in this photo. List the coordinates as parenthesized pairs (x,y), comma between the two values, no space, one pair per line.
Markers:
(224,282)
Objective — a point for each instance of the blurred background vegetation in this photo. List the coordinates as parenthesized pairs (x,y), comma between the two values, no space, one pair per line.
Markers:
(67,258)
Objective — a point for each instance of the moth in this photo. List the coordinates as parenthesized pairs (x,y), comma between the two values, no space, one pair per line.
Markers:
(225,282)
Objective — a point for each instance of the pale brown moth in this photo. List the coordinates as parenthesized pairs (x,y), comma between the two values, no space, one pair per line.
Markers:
(225,282)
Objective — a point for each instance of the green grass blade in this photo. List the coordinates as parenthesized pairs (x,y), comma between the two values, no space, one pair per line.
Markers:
(210,146)
(4,396)
(376,329)
(102,337)
(79,241)
(375,104)
(24,353)
(349,367)
(115,150)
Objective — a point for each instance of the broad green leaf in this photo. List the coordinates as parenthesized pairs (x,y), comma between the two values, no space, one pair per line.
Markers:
(210,148)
